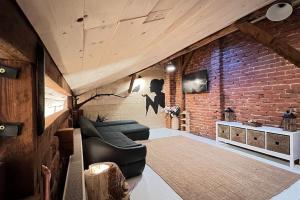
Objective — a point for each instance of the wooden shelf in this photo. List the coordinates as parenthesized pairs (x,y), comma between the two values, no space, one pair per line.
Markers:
(272,141)
(185,121)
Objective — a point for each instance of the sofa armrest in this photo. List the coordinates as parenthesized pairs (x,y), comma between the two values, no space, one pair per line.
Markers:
(96,150)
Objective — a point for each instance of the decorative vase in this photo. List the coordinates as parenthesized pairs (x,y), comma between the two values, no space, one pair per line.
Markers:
(175,123)
(229,115)
(289,121)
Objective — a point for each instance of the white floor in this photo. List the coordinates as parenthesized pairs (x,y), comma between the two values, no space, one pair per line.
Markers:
(150,186)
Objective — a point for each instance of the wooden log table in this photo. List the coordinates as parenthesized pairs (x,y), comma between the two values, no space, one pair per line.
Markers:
(105,181)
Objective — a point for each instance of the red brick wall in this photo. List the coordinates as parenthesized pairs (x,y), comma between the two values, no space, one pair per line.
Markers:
(205,108)
(246,76)
(168,82)
(174,95)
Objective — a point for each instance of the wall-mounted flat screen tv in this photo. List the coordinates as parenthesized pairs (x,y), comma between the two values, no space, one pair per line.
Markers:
(195,82)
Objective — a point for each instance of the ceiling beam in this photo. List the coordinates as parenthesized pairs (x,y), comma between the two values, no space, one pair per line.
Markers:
(252,17)
(18,38)
(187,61)
(229,29)
(217,35)
(267,39)
(53,85)
(53,73)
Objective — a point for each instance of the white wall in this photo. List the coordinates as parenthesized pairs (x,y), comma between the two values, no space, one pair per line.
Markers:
(132,107)
(54,101)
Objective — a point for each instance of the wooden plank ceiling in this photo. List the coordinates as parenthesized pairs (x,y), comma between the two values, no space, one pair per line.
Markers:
(117,38)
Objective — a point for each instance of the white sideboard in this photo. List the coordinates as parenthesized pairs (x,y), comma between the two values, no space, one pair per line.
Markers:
(268,140)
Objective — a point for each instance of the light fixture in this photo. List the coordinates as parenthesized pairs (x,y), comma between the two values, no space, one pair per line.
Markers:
(170,67)
(279,11)
(138,84)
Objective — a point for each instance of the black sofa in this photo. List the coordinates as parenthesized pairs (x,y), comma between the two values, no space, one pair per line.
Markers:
(113,123)
(132,131)
(106,143)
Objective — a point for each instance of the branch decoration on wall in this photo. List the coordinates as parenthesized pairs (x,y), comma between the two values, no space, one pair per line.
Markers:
(78,105)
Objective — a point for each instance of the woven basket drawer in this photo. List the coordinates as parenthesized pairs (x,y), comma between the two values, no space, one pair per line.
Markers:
(256,138)
(238,134)
(224,131)
(278,143)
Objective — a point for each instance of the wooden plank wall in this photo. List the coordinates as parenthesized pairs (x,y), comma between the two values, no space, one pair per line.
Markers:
(2,178)
(44,142)
(23,155)
(16,31)
(16,105)
(53,72)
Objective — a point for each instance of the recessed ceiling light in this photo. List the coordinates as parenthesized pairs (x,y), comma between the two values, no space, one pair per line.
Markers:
(279,11)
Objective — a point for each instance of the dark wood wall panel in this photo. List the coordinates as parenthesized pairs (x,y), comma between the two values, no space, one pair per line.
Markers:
(2,180)
(23,155)
(44,141)
(17,32)
(53,72)
(16,102)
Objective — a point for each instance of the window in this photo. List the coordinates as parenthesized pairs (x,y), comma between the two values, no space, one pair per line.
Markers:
(54,101)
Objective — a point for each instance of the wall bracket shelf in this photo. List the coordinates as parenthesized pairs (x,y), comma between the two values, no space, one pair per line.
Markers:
(10,129)
(9,72)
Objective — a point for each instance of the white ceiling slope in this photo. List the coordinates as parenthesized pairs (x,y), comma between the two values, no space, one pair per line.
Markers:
(119,37)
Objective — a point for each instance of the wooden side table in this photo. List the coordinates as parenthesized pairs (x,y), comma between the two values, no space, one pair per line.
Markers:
(185,121)
(105,181)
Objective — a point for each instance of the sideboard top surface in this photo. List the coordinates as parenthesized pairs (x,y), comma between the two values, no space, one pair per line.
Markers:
(262,128)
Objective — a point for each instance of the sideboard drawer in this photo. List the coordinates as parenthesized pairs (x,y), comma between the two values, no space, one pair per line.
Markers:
(238,134)
(256,138)
(278,143)
(224,131)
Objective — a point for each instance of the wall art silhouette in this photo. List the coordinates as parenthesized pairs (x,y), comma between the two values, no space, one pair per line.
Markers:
(156,86)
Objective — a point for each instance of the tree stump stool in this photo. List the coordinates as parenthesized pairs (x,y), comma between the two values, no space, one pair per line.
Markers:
(105,181)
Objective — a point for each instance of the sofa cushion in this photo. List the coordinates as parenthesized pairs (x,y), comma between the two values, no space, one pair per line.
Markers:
(114,123)
(143,135)
(88,129)
(118,139)
(137,131)
(96,150)
(126,128)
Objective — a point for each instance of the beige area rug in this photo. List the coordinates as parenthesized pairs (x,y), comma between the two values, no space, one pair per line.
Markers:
(199,171)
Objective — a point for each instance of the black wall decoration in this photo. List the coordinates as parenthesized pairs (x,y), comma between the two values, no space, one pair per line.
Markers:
(156,86)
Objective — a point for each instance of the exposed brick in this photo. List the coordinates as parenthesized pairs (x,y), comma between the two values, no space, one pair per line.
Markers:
(244,75)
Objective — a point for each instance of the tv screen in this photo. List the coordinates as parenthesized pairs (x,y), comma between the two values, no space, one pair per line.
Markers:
(195,82)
